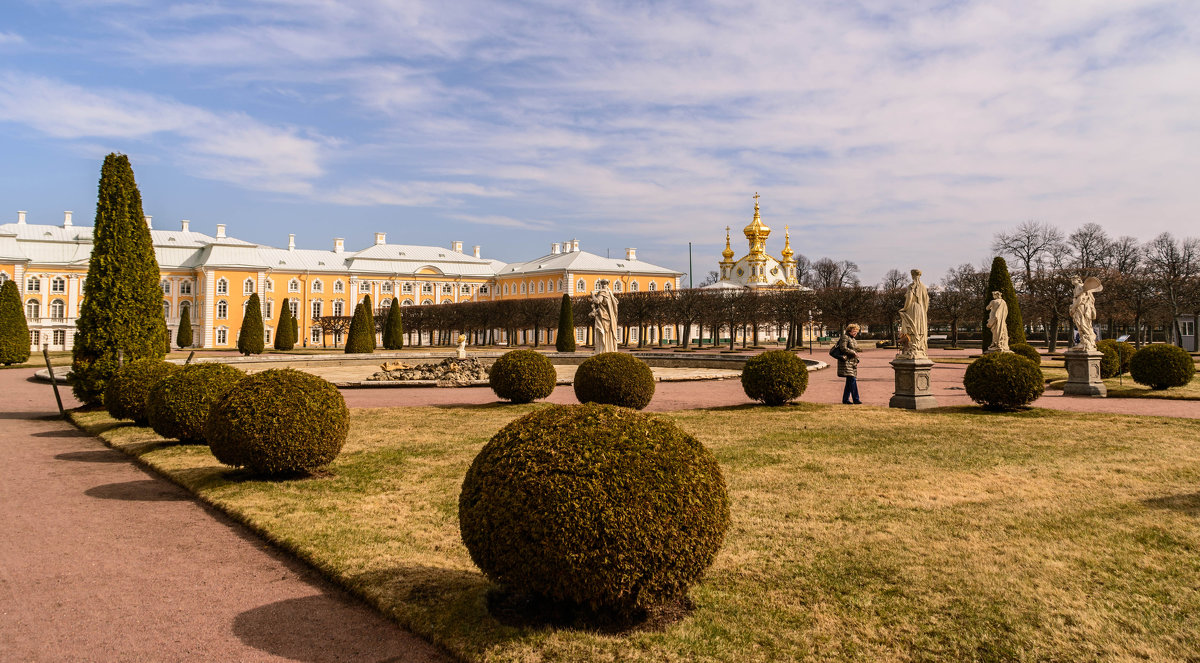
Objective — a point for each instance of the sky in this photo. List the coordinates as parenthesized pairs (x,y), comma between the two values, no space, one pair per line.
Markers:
(893,134)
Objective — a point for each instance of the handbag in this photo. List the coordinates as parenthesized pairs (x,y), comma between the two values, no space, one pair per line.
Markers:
(836,352)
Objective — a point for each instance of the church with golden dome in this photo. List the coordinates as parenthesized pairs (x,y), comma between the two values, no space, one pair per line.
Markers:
(758,269)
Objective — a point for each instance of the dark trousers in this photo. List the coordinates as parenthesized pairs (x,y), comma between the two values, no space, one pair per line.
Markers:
(851,390)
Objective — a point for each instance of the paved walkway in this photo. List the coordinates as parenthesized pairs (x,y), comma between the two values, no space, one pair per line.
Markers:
(875,385)
(101,561)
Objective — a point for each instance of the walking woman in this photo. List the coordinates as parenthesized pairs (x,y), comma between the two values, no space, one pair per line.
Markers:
(847,367)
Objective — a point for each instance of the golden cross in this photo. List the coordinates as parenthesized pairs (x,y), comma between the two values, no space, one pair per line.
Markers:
(755,197)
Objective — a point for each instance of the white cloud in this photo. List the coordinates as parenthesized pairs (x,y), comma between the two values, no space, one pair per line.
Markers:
(410,194)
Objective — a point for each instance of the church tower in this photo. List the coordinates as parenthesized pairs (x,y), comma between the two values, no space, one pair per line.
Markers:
(728,262)
(757,233)
(789,262)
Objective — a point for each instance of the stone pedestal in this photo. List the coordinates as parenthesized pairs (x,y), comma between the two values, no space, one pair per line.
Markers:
(912,384)
(1083,374)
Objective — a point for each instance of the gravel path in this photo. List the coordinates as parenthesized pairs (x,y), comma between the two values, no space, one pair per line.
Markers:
(101,561)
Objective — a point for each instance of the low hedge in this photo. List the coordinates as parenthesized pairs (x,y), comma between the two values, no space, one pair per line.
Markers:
(179,404)
(614,378)
(1162,366)
(522,376)
(1003,381)
(775,377)
(128,392)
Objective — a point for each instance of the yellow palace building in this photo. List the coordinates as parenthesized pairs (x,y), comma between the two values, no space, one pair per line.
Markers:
(213,276)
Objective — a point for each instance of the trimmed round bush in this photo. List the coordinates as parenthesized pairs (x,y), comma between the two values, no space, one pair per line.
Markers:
(1029,352)
(279,421)
(1162,366)
(179,404)
(128,392)
(1003,381)
(614,378)
(775,377)
(595,505)
(1124,353)
(522,376)
(1110,363)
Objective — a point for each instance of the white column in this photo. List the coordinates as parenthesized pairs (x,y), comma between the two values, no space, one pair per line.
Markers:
(209,306)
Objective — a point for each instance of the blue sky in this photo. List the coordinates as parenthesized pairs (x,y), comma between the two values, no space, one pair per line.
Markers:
(895,134)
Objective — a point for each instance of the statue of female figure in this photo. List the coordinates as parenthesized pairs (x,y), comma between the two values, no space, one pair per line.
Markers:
(914,319)
(1083,310)
(998,323)
(604,318)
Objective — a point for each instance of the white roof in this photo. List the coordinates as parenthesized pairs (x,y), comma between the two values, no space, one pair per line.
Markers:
(582,261)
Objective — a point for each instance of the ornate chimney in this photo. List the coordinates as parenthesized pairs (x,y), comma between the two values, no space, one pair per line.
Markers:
(476,248)
(555,248)
(339,244)
(291,242)
(184,225)
(150,222)
(220,231)
(456,246)
(631,254)
(67,219)
(21,218)
(380,238)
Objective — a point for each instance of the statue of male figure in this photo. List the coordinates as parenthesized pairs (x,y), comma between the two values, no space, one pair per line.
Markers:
(1083,310)
(914,320)
(998,323)
(604,318)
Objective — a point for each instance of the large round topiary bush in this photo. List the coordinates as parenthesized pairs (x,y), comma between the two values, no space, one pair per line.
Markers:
(594,505)
(280,421)
(179,404)
(1029,352)
(1110,362)
(128,392)
(1003,381)
(522,376)
(614,378)
(775,377)
(1161,366)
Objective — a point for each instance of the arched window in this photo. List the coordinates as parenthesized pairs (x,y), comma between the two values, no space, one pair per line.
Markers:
(339,308)
(222,287)
(33,309)
(222,310)
(506,288)
(427,288)
(427,302)
(483,290)
(270,285)
(166,287)
(446,289)
(386,287)
(550,286)
(185,287)
(616,286)
(653,286)
(466,289)
(338,286)
(58,310)
(317,286)
(581,286)
(541,286)
(667,285)
(407,302)
(166,309)
(58,285)
(406,288)
(562,286)
(248,287)
(364,286)
(522,287)
(633,287)
(294,285)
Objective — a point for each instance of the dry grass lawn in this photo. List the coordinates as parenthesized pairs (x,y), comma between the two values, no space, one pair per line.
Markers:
(865,534)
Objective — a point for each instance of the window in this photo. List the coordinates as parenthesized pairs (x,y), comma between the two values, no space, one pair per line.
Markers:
(3,277)
(406,288)
(550,286)
(222,287)
(427,301)
(407,302)
(652,286)
(268,308)
(633,287)
(185,287)
(562,285)
(386,287)
(294,305)
(222,310)
(1188,327)
(316,310)
(222,336)
(337,337)
(166,287)
(317,286)
(35,337)
(33,284)
(483,290)
(58,285)
(541,286)
(522,288)
(506,288)
(339,308)
(294,285)
(166,309)
(58,310)
(616,286)
(248,287)
(316,335)
(667,285)
(33,309)
(466,289)
(581,286)
(446,289)
(270,285)
(364,286)
(580,335)
(338,286)
(60,337)
(267,335)
(427,288)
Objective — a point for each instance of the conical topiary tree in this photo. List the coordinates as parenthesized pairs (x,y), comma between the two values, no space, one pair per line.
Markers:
(14,331)
(369,319)
(362,331)
(123,307)
(565,341)
(250,338)
(183,337)
(285,329)
(1000,280)
(393,329)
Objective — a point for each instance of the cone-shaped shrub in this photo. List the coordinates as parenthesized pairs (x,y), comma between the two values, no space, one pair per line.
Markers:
(123,306)
(596,506)
(614,378)
(280,421)
(362,330)
(775,377)
(565,341)
(183,337)
(250,338)
(14,332)
(999,280)
(1162,366)
(128,392)
(1003,381)
(285,329)
(393,328)
(522,376)
(179,404)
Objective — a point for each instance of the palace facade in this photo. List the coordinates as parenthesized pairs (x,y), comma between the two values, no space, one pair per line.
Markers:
(213,276)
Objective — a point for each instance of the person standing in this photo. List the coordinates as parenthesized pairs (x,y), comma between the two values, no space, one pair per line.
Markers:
(847,367)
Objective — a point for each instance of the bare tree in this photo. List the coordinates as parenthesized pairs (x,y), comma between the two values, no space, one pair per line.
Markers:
(889,299)
(1089,247)
(1175,268)
(958,298)
(1029,243)
(712,278)
(828,273)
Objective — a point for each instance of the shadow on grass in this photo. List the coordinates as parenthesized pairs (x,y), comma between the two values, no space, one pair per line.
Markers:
(142,490)
(1186,504)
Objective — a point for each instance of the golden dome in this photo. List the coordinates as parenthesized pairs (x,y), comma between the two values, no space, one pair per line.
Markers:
(728,252)
(787,252)
(757,230)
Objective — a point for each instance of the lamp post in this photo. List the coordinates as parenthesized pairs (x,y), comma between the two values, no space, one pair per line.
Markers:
(811,327)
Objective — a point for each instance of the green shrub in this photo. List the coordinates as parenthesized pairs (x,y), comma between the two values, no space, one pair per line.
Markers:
(614,378)
(1110,362)
(183,337)
(393,327)
(999,280)
(128,392)
(565,340)
(14,331)
(361,338)
(179,404)
(251,337)
(1029,352)
(1161,366)
(280,421)
(594,505)
(1003,381)
(522,376)
(775,377)
(285,328)
(1124,353)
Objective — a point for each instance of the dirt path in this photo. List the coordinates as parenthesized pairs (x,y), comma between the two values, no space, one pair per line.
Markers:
(101,561)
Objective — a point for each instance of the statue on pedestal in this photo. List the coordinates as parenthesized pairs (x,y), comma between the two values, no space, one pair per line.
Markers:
(1083,311)
(604,318)
(914,320)
(998,323)
(462,346)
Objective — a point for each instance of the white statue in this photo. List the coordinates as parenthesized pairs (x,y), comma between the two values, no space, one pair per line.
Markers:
(1083,310)
(998,323)
(914,320)
(462,346)
(604,318)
